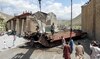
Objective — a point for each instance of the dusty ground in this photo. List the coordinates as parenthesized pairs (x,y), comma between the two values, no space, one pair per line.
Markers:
(34,53)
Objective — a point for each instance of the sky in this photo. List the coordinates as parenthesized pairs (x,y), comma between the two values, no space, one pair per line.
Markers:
(61,8)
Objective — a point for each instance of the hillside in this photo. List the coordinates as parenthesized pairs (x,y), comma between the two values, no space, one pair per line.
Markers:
(77,20)
(62,22)
(6,17)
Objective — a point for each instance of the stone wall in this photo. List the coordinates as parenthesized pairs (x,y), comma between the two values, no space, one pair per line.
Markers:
(97,20)
(91,19)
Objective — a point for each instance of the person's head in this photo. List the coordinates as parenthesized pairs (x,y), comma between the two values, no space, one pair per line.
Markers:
(52,23)
(37,26)
(71,39)
(79,43)
(67,43)
(95,44)
(61,37)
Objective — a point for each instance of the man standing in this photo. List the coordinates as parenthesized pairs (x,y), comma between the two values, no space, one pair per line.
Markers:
(79,51)
(37,28)
(63,41)
(52,28)
(71,43)
(67,51)
(95,50)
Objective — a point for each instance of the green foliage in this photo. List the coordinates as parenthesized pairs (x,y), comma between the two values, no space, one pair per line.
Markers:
(2,24)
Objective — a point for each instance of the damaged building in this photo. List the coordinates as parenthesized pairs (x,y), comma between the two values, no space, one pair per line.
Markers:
(27,22)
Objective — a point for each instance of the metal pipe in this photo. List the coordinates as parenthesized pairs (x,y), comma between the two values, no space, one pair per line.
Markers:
(39,4)
(40,16)
(94,19)
(71,19)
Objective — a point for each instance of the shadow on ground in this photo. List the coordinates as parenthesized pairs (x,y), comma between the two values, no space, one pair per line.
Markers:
(28,54)
(85,42)
(24,55)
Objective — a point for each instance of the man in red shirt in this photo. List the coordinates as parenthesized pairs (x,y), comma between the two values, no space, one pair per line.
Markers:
(67,51)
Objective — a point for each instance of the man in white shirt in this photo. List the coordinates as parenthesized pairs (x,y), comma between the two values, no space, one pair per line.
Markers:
(63,41)
(95,51)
